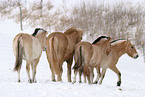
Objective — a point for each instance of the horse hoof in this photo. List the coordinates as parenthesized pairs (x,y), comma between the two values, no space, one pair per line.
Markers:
(69,81)
(73,82)
(19,80)
(34,81)
(95,82)
(100,83)
(54,80)
(118,83)
(30,81)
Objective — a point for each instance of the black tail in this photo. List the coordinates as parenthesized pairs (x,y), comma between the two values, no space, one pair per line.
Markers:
(78,64)
(18,61)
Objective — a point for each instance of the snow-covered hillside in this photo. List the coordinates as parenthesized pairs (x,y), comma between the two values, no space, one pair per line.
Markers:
(133,75)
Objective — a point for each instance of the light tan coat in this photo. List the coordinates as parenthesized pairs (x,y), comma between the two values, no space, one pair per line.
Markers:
(90,55)
(118,48)
(29,48)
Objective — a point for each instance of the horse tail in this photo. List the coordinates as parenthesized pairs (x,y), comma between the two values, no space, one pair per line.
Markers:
(18,61)
(53,49)
(53,44)
(78,58)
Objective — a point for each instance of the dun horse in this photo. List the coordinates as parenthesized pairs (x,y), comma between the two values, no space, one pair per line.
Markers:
(118,48)
(29,48)
(60,48)
(89,55)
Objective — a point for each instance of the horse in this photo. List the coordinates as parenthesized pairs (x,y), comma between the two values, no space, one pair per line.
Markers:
(89,55)
(60,48)
(118,48)
(29,47)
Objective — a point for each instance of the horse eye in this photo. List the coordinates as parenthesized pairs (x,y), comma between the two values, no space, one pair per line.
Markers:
(132,47)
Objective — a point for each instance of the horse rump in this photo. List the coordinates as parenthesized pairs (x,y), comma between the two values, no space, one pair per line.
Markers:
(54,59)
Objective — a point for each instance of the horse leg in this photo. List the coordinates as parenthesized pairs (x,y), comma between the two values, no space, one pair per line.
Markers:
(114,68)
(88,77)
(98,75)
(85,81)
(28,72)
(75,74)
(34,66)
(80,74)
(59,77)
(60,73)
(19,75)
(52,74)
(91,75)
(69,64)
(102,75)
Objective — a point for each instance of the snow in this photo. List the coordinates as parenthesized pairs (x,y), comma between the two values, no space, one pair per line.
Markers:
(132,70)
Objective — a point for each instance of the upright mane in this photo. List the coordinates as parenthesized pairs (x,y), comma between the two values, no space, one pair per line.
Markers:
(116,40)
(99,38)
(70,30)
(36,31)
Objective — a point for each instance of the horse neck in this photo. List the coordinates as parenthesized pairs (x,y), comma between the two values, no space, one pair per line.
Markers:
(100,48)
(41,39)
(120,48)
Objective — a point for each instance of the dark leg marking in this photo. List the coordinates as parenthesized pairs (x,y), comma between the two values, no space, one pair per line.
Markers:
(118,83)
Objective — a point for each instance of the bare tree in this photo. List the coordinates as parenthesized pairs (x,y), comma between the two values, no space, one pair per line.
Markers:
(8,9)
(122,20)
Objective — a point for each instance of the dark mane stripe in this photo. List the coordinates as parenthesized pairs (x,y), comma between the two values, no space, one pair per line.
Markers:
(36,31)
(116,40)
(98,39)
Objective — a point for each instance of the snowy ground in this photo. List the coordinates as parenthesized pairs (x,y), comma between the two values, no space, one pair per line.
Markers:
(133,75)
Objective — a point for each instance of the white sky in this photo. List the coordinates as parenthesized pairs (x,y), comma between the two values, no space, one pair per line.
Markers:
(72,2)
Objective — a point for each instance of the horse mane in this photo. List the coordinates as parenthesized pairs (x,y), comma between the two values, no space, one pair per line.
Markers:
(116,40)
(71,30)
(36,31)
(99,38)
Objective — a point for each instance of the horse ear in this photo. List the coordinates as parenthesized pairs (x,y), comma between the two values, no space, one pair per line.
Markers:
(109,38)
(129,39)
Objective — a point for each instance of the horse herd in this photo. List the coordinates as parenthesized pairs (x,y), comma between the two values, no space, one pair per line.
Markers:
(103,53)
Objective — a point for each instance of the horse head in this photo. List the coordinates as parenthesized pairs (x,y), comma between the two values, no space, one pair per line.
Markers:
(80,34)
(75,33)
(41,35)
(131,51)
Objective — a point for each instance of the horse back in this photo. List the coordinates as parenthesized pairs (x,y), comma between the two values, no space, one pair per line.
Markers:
(57,43)
(30,45)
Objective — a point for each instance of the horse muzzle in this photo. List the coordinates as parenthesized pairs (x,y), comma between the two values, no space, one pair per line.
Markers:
(136,56)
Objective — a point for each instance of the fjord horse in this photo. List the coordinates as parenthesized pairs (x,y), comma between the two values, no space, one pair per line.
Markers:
(89,55)
(29,48)
(60,48)
(118,48)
